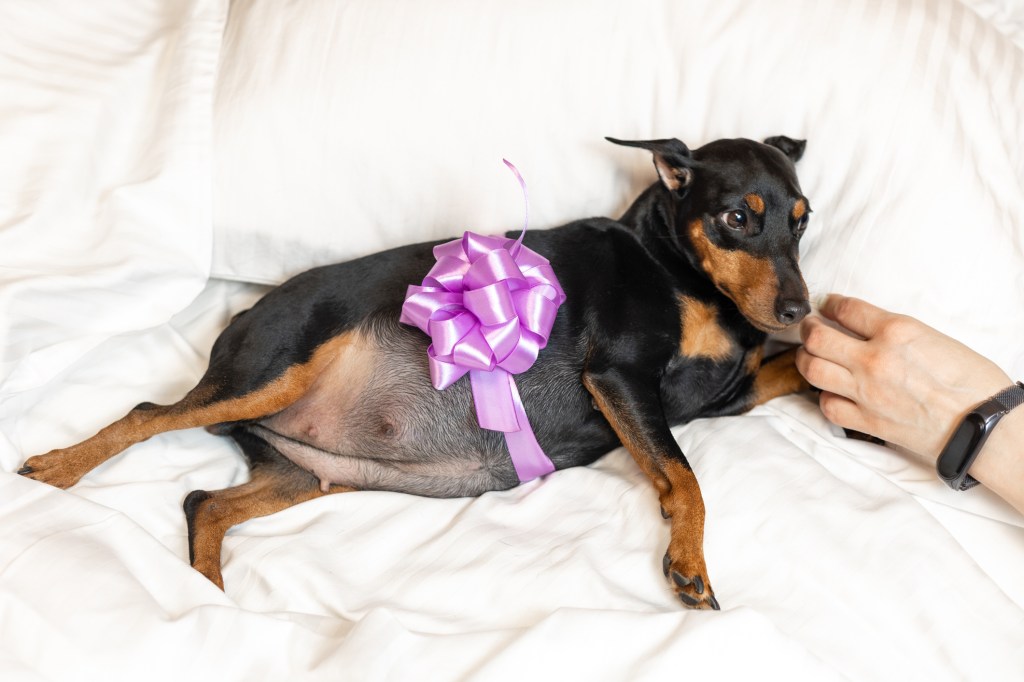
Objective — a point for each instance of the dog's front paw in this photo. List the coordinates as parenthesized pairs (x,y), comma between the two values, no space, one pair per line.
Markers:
(53,468)
(690,582)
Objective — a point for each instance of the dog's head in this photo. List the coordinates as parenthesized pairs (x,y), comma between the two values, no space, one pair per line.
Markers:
(738,216)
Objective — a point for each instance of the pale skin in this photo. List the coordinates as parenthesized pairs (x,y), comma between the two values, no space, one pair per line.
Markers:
(909,385)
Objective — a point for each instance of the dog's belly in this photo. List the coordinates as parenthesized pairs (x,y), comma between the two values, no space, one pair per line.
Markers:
(373,421)
(437,477)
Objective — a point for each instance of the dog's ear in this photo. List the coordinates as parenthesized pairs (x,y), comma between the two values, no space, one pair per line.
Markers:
(794,149)
(672,158)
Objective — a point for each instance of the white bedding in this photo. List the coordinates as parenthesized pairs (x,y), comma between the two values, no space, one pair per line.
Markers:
(832,559)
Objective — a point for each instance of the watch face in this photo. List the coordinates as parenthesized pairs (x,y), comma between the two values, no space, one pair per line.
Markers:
(963,442)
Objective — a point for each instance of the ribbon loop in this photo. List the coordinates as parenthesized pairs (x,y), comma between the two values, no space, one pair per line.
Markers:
(488,305)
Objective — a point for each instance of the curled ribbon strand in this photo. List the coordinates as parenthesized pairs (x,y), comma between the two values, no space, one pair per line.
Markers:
(488,306)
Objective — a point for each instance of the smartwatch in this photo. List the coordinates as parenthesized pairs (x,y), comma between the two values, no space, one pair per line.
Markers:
(966,442)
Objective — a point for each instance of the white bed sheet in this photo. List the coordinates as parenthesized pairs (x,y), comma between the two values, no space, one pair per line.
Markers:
(832,559)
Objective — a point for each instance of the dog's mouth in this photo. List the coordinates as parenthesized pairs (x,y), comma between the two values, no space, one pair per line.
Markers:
(773,317)
(769,328)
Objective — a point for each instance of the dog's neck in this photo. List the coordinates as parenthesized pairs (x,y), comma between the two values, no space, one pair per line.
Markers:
(654,217)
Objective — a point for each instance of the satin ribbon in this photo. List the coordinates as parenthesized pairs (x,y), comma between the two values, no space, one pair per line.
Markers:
(488,305)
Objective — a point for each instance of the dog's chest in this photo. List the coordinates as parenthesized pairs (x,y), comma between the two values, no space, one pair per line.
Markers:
(700,386)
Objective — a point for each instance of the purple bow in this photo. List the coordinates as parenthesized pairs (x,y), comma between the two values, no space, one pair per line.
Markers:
(488,305)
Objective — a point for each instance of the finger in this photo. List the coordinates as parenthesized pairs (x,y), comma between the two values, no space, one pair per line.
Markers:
(824,374)
(843,412)
(858,316)
(823,341)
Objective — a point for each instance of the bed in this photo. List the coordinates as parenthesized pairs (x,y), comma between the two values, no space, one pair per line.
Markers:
(166,161)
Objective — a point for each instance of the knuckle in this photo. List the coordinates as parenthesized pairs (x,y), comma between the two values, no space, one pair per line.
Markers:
(899,329)
(873,362)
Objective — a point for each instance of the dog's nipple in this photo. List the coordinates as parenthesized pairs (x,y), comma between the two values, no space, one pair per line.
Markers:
(325,486)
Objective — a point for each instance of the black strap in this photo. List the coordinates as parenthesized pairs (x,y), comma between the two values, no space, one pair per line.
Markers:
(1010,398)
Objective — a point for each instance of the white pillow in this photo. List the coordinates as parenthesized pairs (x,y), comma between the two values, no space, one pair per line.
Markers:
(105,180)
(345,128)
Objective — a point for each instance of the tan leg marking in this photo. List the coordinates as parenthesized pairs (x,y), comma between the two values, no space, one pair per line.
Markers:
(630,434)
(684,562)
(65,467)
(213,513)
(753,359)
(778,376)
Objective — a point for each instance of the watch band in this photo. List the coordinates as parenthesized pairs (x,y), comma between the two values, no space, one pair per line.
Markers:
(1011,397)
(997,406)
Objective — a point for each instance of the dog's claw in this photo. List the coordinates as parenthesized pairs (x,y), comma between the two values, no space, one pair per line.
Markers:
(714,603)
(23,471)
(678,579)
(698,584)
(664,514)
(687,599)
(665,563)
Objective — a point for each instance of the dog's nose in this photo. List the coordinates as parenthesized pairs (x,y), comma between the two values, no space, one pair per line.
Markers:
(791,310)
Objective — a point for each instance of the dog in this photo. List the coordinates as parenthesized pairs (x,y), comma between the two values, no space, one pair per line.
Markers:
(666,314)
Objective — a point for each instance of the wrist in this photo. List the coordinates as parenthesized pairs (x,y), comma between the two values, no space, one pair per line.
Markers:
(954,404)
(1000,463)
(986,447)
(972,434)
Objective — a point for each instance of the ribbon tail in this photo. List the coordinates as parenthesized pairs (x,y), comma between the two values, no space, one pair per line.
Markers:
(527,456)
(514,250)
(493,397)
(500,408)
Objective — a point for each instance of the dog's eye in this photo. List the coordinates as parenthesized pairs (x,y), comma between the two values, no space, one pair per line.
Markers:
(801,225)
(735,220)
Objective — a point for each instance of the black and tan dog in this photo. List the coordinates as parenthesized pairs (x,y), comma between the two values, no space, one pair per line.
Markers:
(666,315)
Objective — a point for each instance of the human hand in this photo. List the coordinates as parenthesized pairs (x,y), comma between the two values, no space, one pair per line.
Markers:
(902,381)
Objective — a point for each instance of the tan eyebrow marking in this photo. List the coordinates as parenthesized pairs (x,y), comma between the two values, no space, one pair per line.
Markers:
(756,203)
(799,209)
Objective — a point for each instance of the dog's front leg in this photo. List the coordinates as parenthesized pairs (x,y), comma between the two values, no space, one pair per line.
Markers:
(631,403)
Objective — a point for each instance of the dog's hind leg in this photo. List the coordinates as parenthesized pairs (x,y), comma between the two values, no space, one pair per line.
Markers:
(236,387)
(276,484)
